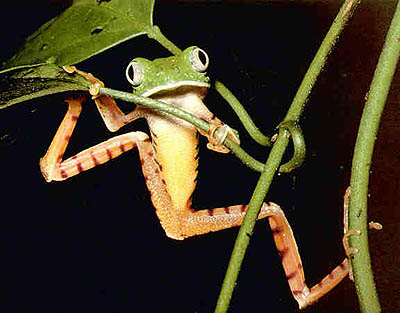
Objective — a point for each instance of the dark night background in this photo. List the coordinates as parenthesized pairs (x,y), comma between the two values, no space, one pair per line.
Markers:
(93,243)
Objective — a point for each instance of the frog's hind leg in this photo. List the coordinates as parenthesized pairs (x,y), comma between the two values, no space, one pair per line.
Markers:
(190,223)
(285,242)
(211,220)
(292,265)
(53,166)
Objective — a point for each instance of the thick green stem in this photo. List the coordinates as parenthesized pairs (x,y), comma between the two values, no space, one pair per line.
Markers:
(246,230)
(379,89)
(318,62)
(276,154)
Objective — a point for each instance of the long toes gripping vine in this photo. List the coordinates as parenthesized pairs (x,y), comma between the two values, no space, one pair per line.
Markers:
(352,232)
(94,89)
(217,135)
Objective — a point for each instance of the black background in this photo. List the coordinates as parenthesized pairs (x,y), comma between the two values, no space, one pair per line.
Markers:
(93,243)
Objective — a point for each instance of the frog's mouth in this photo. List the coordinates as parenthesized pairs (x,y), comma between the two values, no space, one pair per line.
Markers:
(178,89)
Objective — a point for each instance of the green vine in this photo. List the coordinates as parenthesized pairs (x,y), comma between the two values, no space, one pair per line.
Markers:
(369,124)
(244,117)
(156,34)
(276,154)
(298,144)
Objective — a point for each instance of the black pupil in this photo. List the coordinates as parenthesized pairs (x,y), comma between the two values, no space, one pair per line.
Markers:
(202,57)
(132,72)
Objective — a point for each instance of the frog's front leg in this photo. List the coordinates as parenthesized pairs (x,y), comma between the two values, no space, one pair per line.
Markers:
(109,111)
(217,134)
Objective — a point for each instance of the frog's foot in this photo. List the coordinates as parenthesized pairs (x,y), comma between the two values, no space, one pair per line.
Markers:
(217,135)
(94,89)
(350,250)
(351,232)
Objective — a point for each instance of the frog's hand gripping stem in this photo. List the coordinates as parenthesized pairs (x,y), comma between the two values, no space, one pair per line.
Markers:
(111,114)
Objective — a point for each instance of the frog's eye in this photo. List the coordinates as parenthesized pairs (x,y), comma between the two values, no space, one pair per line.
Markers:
(199,59)
(134,73)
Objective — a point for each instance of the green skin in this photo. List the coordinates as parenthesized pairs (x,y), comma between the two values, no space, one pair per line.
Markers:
(166,74)
(176,80)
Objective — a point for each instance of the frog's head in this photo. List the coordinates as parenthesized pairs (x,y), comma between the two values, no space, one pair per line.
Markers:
(168,76)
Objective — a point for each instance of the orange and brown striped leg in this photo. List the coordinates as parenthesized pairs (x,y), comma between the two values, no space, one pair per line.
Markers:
(54,168)
(212,220)
(181,225)
(291,262)
(111,114)
(204,221)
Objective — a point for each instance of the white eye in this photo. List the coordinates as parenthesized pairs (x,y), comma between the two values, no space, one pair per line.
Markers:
(134,73)
(199,59)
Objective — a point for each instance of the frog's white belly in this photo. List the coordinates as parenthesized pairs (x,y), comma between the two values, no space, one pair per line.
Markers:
(175,145)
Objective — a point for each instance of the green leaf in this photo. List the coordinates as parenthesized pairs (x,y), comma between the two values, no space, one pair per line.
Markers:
(86,28)
(23,84)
